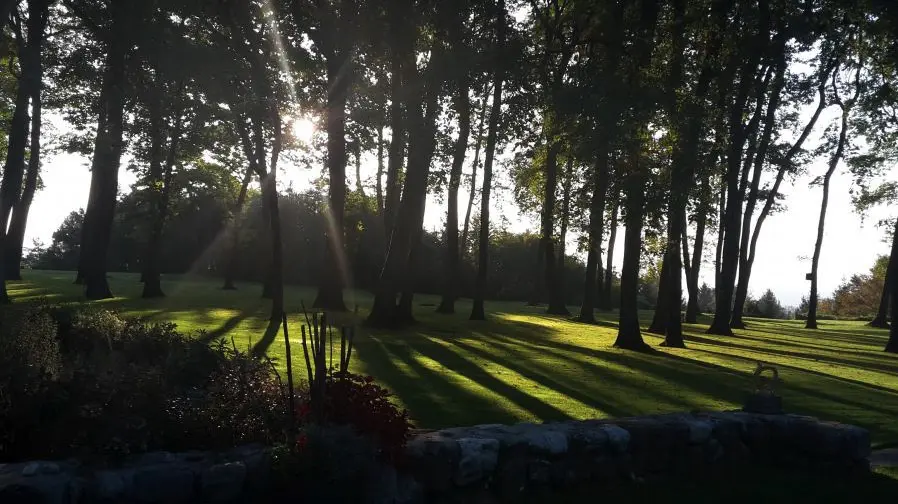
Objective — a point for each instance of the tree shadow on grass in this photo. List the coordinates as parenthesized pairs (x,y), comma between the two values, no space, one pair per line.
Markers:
(542,375)
(221,331)
(474,372)
(433,400)
(820,357)
(857,336)
(260,348)
(849,400)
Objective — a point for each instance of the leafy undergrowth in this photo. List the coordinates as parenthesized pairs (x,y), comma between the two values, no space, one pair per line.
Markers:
(83,382)
(523,365)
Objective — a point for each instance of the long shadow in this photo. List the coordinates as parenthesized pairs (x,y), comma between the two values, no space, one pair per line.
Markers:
(891,395)
(784,353)
(826,339)
(432,399)
(268,337)
(842,335)
(222,330)
(540,374)
(459,364)
(604,375)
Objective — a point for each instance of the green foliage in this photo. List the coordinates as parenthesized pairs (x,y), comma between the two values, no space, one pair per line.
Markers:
(859,295)
(89,383)
(766,306)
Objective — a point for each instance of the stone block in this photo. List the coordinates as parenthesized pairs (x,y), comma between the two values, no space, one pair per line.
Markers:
(618,438)
(433,461)
(165,483)
(222,483)
(586,437)
(477,460)
(112,486)
(511,478)
(539,472)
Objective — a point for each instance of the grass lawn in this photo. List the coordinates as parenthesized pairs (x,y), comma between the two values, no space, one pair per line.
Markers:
(524,365)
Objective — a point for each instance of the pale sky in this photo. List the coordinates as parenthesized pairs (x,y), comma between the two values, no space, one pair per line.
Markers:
(850,244)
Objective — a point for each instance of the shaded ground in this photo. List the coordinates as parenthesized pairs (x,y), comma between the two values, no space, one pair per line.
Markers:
(757,486)
(524,365)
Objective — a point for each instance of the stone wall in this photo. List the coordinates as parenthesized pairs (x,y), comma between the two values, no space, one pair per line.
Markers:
(495,462)
(508,462)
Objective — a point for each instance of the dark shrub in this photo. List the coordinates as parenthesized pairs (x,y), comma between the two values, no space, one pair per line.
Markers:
(358,401)
(88,383)
(328,464)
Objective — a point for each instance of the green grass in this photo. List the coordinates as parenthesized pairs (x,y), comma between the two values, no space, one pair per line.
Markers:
(524,365)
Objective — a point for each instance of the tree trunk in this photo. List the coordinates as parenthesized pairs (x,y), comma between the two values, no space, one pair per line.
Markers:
(662,304)
(784,166)
(233,248)
(562,235)
(15,238)
(596,230)
(14,169)
(450,285)
(334,274)
(269,186)
(397,146)
(107,158)
(698,247)
(477,309)
(730,227)
(628,333)
(152,283)
(811,322)
(605,303)
(421,109)
(881,319)
(480,128)
(892,344)
(556,302)
(738,133)
(741,294)
(379,186)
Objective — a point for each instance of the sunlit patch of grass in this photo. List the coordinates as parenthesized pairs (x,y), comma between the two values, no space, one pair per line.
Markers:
(523,365)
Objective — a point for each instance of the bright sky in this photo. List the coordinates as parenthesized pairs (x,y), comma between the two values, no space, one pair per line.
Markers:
(784,248)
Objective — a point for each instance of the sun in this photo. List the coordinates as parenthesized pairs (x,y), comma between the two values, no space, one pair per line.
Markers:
(303,129)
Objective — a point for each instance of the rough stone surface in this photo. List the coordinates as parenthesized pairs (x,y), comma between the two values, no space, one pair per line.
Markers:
(478,458)
(223,482)
(483,463)
(163,484)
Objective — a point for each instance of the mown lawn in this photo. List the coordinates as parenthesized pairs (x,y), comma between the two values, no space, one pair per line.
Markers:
(524,365)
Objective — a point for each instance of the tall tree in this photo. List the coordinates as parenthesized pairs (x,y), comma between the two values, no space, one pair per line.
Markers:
(30,85)
(333,36)
(882,313)
(477,308)
(481,127)
(605,119)
(634,180)
(234,232)
(462,105)
(423,91)
(605,302)
(836,157)
(108,147)
(740,82)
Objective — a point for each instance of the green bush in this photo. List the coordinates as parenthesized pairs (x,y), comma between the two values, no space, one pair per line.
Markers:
(88,383)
